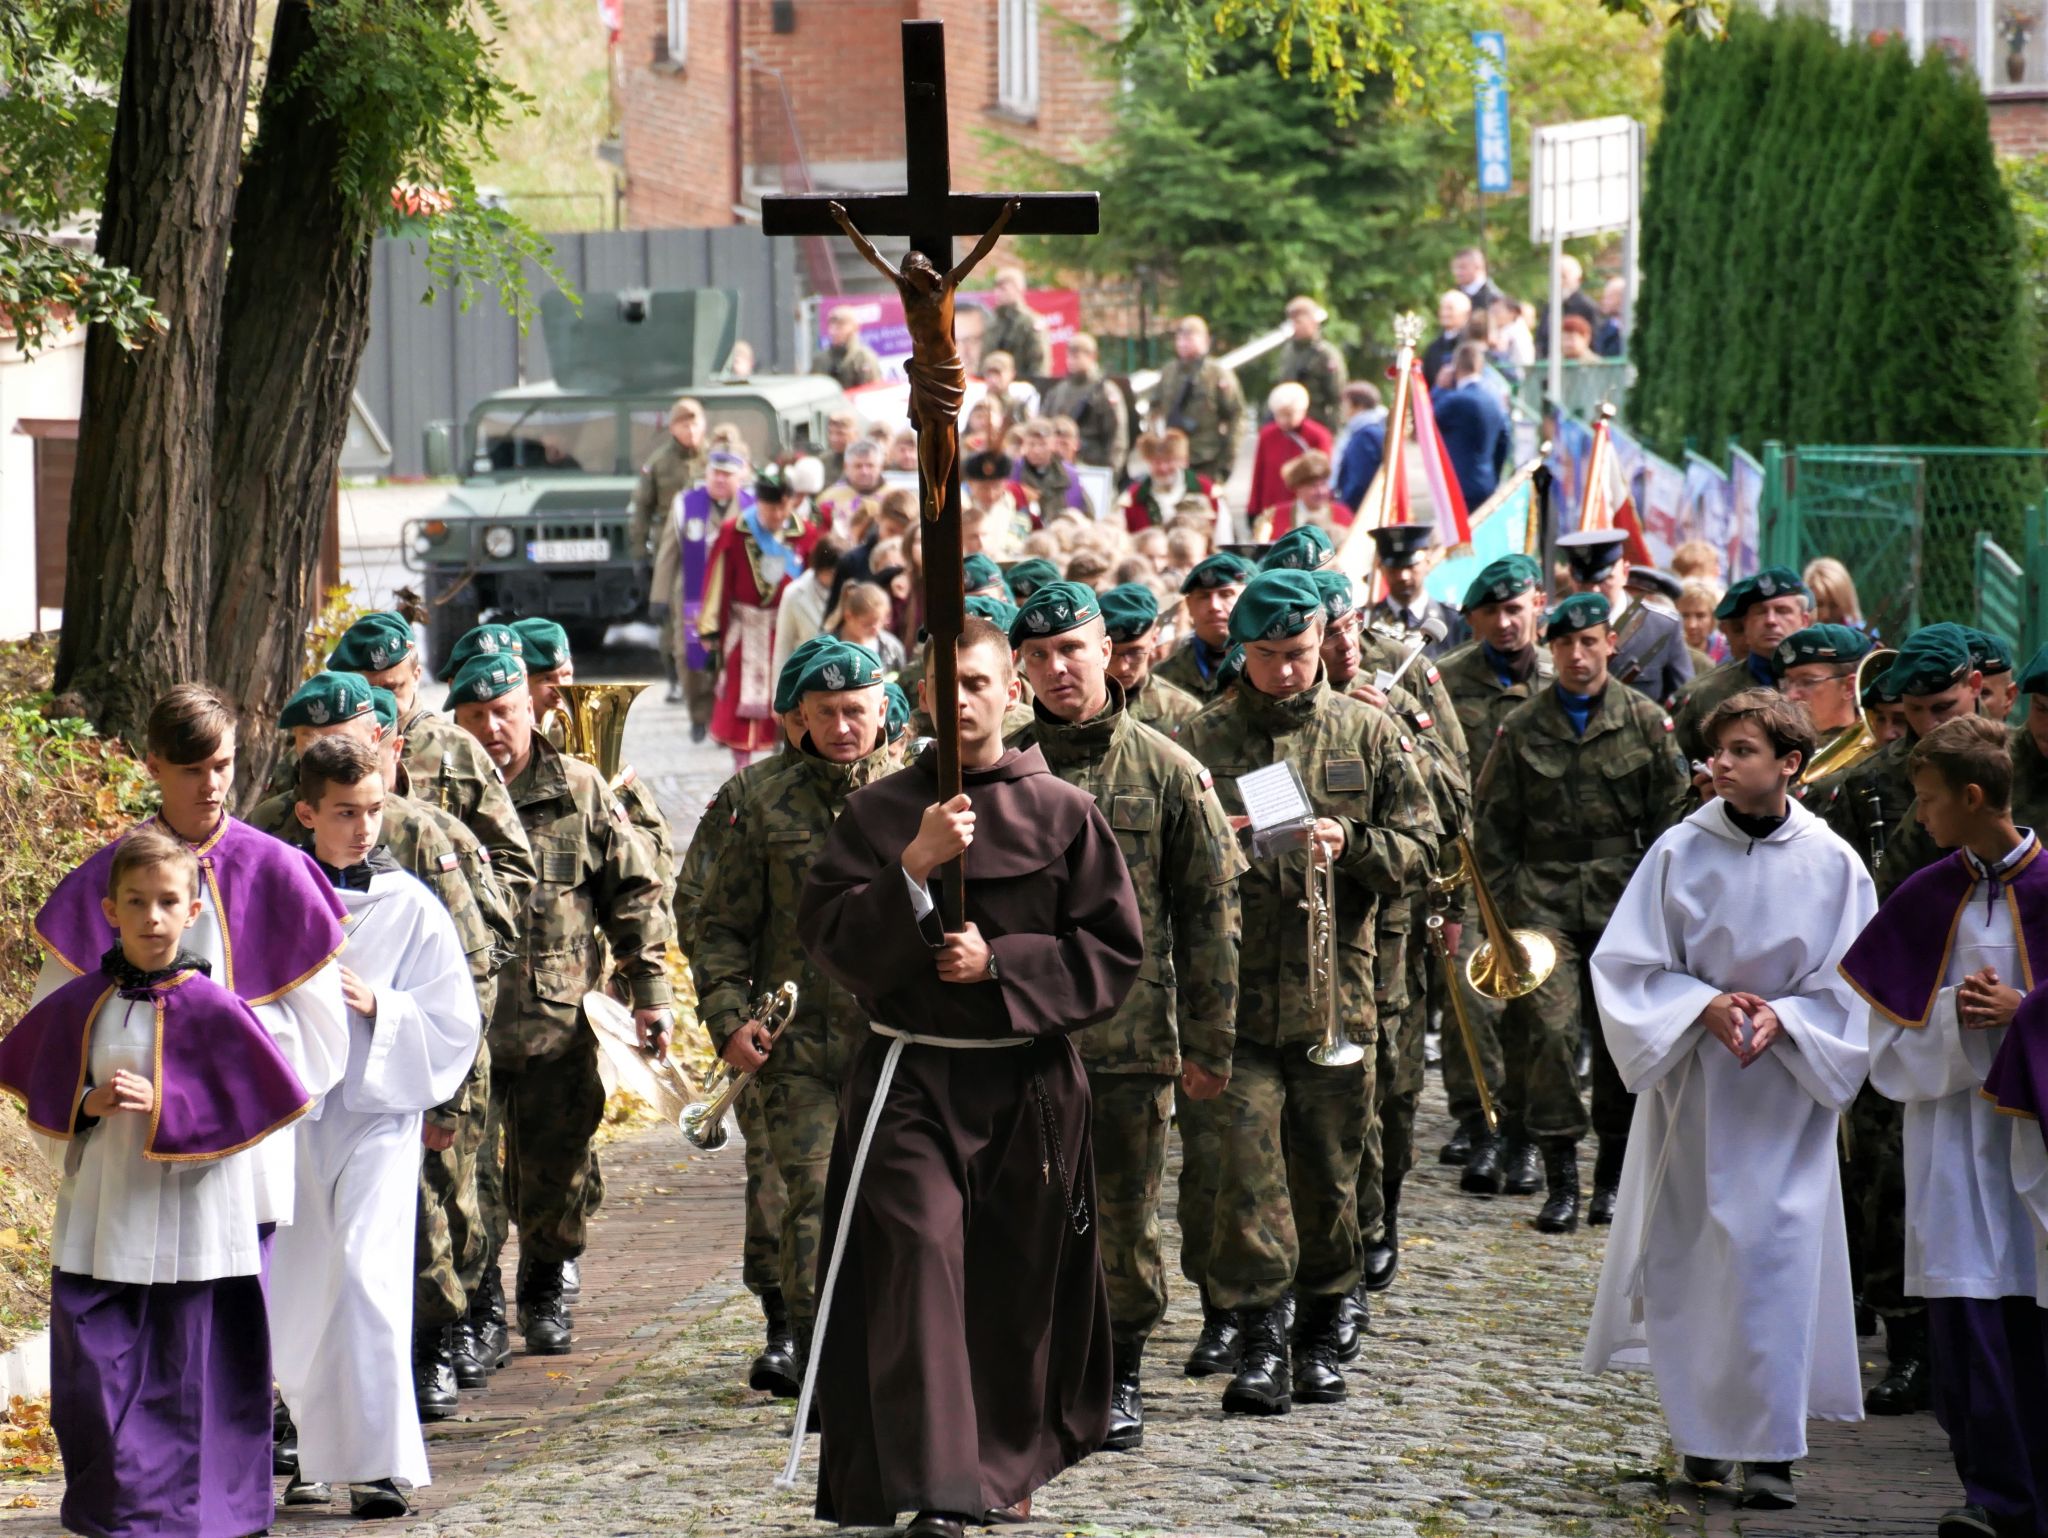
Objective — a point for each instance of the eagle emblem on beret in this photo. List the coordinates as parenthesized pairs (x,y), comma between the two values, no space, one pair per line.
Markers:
(1767,585)
(487,643)
(1036,620)
(834,676)
(1787,652)
(316,712)
(380,656)
(1502,591)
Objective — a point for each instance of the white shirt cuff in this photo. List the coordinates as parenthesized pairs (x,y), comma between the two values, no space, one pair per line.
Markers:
(920,897)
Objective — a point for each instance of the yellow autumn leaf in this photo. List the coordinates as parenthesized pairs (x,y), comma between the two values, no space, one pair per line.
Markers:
(9,1239)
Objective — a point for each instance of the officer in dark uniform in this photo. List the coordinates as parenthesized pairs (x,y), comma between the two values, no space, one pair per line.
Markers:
(1654,660)
(1406,604)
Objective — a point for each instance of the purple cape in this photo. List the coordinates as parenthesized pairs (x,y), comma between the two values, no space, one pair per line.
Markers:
(1894,964)
(2018,1081)
(279,918)
(696,554)
(221,1083)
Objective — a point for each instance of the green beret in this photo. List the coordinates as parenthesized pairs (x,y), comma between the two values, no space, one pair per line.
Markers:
(1275,605)
(1233,665)
(543,645)
(1989,652)
(980,571)
(1509,577)
(484,678)
(1028,575)
(1771,582)
(1933,660)
(1219,570)
(1053,610)
(997,611)
(1340,594)
(1306,548)
(836,667)
(899,709)
(379,640)
(1581,611)
(327,699)
(793,668)
(1129,610)
(1819,643)
(481,641)
(385,703)
(2035,679)
(1879,690)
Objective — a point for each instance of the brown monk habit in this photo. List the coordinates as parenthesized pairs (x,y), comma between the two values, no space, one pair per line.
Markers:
(967,1360)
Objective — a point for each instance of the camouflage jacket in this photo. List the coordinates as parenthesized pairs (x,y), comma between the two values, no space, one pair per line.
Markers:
(1184,672)
(1379,652)
(1202,398)
(1163,706)
(1318,368)
(448,768)
(1097,407)
(1561,821)
(1450,793)
(1014,329)
(645,815)
(1698,702)
(1481,701)
(1184,863)
(595,874)
(746,934)
(850,364)
(670,470)
(1357,769)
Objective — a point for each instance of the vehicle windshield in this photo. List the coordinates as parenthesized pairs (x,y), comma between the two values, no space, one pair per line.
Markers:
(547,436)
(750,417)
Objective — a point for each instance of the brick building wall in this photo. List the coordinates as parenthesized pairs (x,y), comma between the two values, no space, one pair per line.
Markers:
(675,120)
(2019,124)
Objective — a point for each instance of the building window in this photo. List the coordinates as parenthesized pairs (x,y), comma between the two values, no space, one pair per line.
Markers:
(2005,45)
(1017,56)
(676,44)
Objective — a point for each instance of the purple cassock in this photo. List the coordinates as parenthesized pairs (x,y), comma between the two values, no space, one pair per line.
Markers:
(279,918)
(1891,963)
(698,523)
(160,1393)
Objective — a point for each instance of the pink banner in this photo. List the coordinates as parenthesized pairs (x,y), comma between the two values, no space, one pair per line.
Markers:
(882,328)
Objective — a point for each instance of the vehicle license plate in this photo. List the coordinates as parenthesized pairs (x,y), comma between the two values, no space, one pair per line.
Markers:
(554,552)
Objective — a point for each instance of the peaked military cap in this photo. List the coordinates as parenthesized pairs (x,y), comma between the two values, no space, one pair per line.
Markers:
(988,465)
(1651,579)
(1401,544)
(1591,553)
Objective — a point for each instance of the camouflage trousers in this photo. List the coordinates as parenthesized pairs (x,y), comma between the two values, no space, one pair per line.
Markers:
(546,1110)
(1398,1071)
(699,688)
(1200,1123)
(1131,1112)
(1484,1013)
(449,1239)
(1286,1198)
(761,1256)
(1539,1037)
(1874,1199)
(803,1115)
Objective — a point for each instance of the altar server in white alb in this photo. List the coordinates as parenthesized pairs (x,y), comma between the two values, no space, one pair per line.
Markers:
(342,1277)
(1727,1272)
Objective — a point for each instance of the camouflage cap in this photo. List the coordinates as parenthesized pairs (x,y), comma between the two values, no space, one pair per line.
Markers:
(1129,610)
(1509,577)
(1933,660)
(1276,605)
(981,571)
(1581,611)
(1771,582)
(2034,680)
(1053,610)
(482,641)
(385,703)
(793,668)
(899,709)
(998,612)
(1991,652)
(543,644)
(1818,643)
(1222,569)
(836,667)
(327,699)
(484,678)
(378,640)
(1307,548)
(1340,594)
(1027,576)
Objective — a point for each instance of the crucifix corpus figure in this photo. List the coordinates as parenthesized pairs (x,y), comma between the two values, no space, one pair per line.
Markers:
(938,381)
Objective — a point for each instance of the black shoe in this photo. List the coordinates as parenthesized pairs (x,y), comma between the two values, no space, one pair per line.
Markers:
(1560,1212)
(937,1524)
(1382,1256)
(490,1341)
(675,693)
(1348,1326)
(775,1370)
(433,1372)
(1521,1167)
(1606,1180)
(1768,1487)
(543,1315)
(1459,1148)
(698,732)
(1866,1320)
(284,1441)
(1318,1354)
(1358,1304)
(1905,1389)
(1486,1170)
(1216,1348)
(1708,1471)
(1968,1522)
(465,1354)
(380,1499)
(1262,1385)
(299,1493)
(1126,1400)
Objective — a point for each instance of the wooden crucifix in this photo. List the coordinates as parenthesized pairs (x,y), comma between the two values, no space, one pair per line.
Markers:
(931,214)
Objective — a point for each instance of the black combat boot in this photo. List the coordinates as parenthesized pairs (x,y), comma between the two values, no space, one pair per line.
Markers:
(1521,1163)
(284,1441)
(775,1370)
(433,1371)
(489,1341)
(1459,1148)
(1383,1255)
(1126,1400)
(1606,1180)
(1262,1385)
(572,1280)
(543,1313)
(463,1349)
(1358,1304)
(1486,1168)
(1560,1213)
(1216,1348)
(1350,1324)
(1904,1389)
(1318,1373)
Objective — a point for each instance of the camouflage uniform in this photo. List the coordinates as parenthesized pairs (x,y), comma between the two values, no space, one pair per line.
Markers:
(1481,702)
(1014,329)
(447,768)
(670,471)
(1317,367)
(1286,1209)
(1202,398)
(849,364)
(596,875)
(747,944)
(645,815)
(1698,702)
(1380,652)
(1184,672)
(1184,863)
(1561,822)
(1163,706)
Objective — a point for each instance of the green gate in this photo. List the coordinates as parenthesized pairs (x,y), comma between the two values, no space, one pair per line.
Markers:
(2001,592)
(1864,507)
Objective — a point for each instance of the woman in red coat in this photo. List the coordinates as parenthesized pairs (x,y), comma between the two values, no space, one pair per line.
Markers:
(1291,434)
(756,555)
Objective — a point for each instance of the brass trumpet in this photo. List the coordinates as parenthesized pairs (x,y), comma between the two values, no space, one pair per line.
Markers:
(704,1121)
(1335,1050)
(1855,742)
(590,724)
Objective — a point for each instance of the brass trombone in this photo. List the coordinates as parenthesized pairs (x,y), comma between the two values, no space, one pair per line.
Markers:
(590,724)
(704,1120)
(1855,742)
(1335,1050)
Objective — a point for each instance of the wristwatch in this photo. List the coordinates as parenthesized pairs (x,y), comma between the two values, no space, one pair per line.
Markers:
(993,975)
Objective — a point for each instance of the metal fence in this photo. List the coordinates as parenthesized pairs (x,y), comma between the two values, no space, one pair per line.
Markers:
(1588,384)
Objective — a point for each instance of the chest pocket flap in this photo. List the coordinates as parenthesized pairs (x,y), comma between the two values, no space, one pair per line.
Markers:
(1623,762)
(1552,760)
(1133,812)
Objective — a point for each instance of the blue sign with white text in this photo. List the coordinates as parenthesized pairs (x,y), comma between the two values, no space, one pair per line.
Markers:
(1496,164)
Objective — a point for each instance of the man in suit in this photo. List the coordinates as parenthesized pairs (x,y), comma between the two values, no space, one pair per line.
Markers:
(1361,444)
(1474,425)
(1653,659)
(1401,547)
(1468,276)
(1453,314)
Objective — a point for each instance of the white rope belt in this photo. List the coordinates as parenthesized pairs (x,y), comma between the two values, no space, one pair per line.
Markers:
(899,1039)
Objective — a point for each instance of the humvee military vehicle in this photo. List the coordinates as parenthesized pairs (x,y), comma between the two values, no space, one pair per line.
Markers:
(539,524)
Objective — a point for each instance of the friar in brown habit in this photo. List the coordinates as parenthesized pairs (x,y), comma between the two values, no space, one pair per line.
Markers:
(967,1356)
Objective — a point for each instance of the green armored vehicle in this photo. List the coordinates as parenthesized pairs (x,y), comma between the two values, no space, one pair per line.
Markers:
(538,525)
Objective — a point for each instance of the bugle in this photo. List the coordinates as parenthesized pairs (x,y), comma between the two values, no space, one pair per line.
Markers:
(704,1123)
(1336,1049)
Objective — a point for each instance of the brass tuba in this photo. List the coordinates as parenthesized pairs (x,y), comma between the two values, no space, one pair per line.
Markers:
(704,1120)
(590,724)
(1855,742)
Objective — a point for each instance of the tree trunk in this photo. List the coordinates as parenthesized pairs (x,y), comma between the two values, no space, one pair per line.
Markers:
(138,573)
(296,319)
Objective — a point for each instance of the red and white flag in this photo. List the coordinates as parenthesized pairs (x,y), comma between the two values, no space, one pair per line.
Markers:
(1608,503)
(1453,526)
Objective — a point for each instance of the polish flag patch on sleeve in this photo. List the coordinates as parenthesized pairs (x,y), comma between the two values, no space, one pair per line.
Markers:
(1668,725)
(450,860)
(1208,780)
